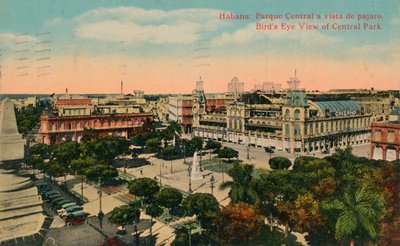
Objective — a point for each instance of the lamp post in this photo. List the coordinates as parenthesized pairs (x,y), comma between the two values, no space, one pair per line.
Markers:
(190,178)
(223,170)
(101,214)
(248,147)
(160,175)
(201,167)
(212,180)
(184,153)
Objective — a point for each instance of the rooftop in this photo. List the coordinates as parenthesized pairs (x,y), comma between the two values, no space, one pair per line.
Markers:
(338,106)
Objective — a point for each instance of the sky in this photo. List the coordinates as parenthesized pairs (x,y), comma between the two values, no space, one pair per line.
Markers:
(161,46)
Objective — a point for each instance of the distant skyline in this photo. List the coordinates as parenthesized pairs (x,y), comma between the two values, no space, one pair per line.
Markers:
(162,46)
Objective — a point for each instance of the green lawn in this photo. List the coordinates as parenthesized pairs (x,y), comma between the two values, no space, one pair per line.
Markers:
(219,165)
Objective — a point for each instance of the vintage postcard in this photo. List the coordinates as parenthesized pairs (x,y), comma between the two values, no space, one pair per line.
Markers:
(184,122)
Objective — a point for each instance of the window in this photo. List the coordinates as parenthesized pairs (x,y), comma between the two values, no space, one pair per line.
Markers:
(296,130)
(287,130)
(390,137)
(377,135)
(287,112)
(322,127)
(297,114)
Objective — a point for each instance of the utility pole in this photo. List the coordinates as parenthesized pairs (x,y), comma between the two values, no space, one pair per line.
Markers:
(160,175)
(190,178)
(101,214)
(212,180)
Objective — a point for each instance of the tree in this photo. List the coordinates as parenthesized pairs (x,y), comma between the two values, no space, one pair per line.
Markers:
(105,149)
(196,143)
(298,162)
(358,214)
(277,191)
(29,117)
(169,198)
(237,224)
(243,185)
(203,205)
(306,214)
(54,169)
(149,125)
(64,153)
(228,153)
(153,210)
(213,145)
(144,187)
(125,215)
(100,171)
(168,152)
(153,144)
(387,177)
(79,166)
(278,163)
(42,150)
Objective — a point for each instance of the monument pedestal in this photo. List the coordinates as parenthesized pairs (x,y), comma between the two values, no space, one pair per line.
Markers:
(196,171)
(11,142)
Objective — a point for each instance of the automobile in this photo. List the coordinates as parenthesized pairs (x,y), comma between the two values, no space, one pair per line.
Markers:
(60,203)
(268,150)
(76,218)
(67,205)
(70,210)
(49,193)
(55,200)
(54,196)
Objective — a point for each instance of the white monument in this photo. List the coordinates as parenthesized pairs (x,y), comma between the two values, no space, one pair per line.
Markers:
(196,172)
(11,142)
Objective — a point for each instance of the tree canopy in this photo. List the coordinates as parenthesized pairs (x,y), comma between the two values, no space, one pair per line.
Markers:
(279,163)
(144,187)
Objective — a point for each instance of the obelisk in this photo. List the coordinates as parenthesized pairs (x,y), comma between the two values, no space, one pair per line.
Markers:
(11,142)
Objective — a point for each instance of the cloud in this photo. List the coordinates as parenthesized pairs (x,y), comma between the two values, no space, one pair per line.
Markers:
(250,34)
(137,25)
(381,51)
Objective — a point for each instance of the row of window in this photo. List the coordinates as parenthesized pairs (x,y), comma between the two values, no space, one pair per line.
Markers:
(378,135)
(85,124)
(338,125)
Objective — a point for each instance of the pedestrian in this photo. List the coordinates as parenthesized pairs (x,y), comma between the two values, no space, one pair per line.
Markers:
(141,172)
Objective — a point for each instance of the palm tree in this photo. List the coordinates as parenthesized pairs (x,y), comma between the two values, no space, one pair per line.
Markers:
(242,186)
(360,212)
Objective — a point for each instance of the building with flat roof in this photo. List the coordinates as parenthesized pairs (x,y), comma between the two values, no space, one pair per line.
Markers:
(385,140)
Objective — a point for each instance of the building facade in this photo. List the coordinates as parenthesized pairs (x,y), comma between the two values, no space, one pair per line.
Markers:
(385,140)
(289,121)
(54,129)
(119,115)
